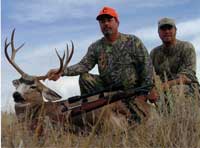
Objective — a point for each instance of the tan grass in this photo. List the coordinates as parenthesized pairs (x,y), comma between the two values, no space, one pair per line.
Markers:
(178,127)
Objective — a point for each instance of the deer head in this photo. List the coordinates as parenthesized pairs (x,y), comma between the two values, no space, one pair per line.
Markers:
(29,89)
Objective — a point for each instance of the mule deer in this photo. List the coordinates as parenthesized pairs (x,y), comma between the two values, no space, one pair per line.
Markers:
(30,93)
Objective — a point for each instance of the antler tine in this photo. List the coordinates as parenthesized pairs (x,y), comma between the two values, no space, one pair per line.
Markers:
(67,52)
(14,51)
(61,61)
(6,45)
(69,56)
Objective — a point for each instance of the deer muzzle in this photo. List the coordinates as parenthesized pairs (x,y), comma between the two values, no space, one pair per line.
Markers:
(17,97)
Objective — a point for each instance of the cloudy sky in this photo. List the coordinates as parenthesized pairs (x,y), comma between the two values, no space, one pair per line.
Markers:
(47,24)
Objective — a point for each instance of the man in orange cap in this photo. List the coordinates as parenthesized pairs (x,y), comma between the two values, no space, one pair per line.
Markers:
(109,23)
(123,61)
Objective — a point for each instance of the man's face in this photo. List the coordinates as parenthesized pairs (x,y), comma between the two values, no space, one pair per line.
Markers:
(108,25)
(167,34)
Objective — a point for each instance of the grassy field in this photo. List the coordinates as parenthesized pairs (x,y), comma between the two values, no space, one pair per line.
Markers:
(176,126)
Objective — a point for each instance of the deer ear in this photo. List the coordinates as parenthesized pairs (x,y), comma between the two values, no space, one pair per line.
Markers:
(50,95)
(16,83)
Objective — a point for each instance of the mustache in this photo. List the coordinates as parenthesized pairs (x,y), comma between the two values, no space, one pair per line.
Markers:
(107,28)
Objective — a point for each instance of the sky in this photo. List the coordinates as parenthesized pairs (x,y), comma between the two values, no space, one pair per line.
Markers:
(48,24)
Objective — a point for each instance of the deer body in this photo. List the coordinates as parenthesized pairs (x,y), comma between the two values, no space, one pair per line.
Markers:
(30,106)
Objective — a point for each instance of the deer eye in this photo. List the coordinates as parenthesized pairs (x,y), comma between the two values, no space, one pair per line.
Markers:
(33,87)
(16,83)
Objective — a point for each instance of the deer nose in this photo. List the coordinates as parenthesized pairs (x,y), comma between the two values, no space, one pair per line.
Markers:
(17,97)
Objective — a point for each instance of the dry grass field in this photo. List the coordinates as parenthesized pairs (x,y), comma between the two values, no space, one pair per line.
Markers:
(176,126)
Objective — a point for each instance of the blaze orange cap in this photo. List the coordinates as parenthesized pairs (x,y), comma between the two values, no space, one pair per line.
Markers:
(107,11)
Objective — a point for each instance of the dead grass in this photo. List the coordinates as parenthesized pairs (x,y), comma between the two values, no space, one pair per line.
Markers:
(177,127)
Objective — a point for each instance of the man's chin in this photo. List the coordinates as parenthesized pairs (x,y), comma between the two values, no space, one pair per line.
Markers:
(167,41)
(107,33)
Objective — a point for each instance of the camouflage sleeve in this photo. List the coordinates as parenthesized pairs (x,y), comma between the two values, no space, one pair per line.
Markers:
(188,64)
(85,65)
(144,66)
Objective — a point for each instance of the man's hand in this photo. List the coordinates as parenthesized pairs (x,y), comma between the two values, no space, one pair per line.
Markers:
(153,95)
(185,79)
(52,75)
(144,98)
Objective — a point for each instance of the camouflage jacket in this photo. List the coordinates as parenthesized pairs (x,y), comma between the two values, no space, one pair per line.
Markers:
(126,61)
(175,60)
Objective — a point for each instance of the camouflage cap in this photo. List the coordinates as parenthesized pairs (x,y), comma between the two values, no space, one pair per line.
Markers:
(166,21)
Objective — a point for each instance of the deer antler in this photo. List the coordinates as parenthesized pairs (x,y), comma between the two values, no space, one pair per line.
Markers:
(69,56)
(61,59)
(14,51)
